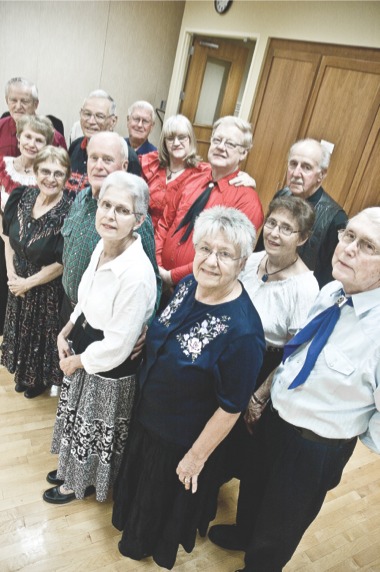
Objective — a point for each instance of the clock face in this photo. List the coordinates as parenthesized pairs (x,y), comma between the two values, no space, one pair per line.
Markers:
(221,6)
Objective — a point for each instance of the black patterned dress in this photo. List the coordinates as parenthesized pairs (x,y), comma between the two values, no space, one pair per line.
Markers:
(29,348)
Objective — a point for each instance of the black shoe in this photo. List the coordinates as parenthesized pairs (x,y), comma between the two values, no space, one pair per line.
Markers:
(131,554)
(34,392)
(19,387)
(227,536)
(54,496)
(52,478)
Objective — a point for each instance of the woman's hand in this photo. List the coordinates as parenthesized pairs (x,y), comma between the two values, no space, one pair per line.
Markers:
(254,412)
(188,470)
(64,349)
(18,286)
(242,179)
(138,347)
(70,364)
(165,276)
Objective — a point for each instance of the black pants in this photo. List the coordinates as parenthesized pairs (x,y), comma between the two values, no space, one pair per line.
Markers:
(282,490)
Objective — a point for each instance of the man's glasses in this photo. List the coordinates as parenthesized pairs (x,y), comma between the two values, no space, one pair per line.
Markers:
(99,117)
(217,141)
(136,119)
(348,237)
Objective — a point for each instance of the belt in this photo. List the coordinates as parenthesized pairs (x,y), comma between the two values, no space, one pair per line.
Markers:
(274,349)
(310,435)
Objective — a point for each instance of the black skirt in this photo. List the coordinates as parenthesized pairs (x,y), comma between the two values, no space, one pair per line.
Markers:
(151,505)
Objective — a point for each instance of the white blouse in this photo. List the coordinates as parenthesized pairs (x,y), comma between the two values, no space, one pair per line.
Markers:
(28,180)
(117,298)
(283,305)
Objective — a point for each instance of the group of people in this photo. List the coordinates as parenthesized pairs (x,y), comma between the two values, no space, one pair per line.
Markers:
(182,354)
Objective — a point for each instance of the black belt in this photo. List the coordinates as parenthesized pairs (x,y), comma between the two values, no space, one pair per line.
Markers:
(310,435)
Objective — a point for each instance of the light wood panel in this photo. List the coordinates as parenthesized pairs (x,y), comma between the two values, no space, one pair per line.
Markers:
(38,537)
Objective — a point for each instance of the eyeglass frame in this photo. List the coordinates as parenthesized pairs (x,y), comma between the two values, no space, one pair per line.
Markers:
(280,226)
(226,260)
(115,207)
(342,233)
(181,138)
(57,175)
(230,145)
(85,114)
(137,120)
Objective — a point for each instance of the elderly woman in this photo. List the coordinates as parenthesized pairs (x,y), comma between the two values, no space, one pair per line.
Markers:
(174,166)
(202,357)
(32,222)
(33,133)
(116,298)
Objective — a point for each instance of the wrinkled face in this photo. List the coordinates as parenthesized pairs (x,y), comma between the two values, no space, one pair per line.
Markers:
(226,150)
(139,125)
(20,101)
(95,116)
(104,157)
(275,241)
(30,142)
(304,175)
(51,177)
(178,145)
(217,273)
(357,270)
(115,219)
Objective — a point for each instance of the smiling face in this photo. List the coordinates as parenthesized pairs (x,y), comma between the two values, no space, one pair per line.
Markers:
(225,160)
(95,116)
(212,274)
(358,271)
(20,101)
(51,178)
(30,142)
(275,242)
(104,157)
(304,175)
(139,125)
(114,218)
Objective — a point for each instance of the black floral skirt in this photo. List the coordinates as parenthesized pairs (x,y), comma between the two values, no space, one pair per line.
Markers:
(152,507)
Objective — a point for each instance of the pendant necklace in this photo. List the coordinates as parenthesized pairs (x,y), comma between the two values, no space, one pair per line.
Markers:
(266,275)
(171,173)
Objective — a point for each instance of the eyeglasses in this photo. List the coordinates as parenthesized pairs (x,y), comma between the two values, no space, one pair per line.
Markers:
(221,255)
(284,229)
(217,141)
(172,138)
(99,117)
(24,101)
(57,175)
(364,246)
(120,210)
(136,119)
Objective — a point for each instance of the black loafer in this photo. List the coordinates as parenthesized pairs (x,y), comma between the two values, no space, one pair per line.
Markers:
(52,478)
(34,392)
(227,536)
(19,387)
(54,496)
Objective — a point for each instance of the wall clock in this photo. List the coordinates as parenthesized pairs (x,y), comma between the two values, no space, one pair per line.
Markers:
(221,6)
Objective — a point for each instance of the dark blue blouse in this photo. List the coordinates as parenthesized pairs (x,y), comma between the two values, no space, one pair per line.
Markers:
(198,357)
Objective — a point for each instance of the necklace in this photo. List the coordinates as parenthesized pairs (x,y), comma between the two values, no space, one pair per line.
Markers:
(171,173)
(21,167)
(265,276)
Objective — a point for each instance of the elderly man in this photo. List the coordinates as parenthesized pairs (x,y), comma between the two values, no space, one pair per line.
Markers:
(140,122)
(308,162)
(324,395)
(22,99)
(222,185)
(98,113)
(107,152)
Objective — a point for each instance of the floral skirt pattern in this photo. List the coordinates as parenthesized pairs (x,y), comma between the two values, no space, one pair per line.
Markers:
(29,348)
(91,430)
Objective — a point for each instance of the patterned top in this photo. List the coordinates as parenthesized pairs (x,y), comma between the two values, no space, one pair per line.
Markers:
(81,237)
(198,357)
(10,179)
(34,241)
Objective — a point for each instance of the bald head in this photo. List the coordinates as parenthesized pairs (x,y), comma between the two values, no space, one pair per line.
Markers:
(107,152)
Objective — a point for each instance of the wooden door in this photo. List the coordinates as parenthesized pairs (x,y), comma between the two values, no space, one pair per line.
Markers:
(224,59)
(325,92)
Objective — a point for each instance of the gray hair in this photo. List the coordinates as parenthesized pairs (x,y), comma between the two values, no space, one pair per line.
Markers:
(101,94)
(124,149)
(38,123)
(325,153)
(172,126)
(25,83)
(234,224)
(241,124)
(372,213)
(143,105)
(133,185)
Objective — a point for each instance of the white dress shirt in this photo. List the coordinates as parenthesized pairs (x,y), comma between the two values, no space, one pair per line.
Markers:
(117,298)
(283,305)
(341,396)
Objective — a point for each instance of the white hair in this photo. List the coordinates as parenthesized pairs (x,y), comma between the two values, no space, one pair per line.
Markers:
(25,83)
(101,94)
(143,105)
(135,186)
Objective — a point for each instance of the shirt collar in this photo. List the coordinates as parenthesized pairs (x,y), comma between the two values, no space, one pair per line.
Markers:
(362,301)
(117,265)
(224,184)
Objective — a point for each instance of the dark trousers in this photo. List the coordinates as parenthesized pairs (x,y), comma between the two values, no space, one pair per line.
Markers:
(282,489)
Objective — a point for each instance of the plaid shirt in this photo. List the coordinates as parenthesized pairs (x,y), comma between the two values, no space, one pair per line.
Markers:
(81,237)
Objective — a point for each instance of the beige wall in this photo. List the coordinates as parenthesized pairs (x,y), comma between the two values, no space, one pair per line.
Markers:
(350,23)
(71,48)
